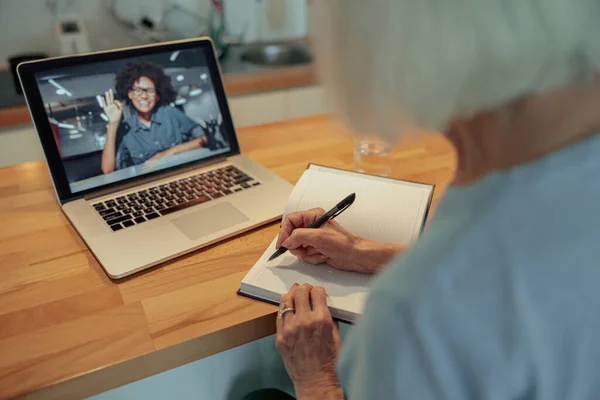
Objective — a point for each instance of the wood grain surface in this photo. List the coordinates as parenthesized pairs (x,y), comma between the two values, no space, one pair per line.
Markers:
(68,331)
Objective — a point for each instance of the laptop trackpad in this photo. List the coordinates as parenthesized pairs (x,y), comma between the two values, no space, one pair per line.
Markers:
(209,220)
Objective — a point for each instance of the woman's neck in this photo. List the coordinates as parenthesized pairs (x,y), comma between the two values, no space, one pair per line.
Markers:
(145,117)
(524,131)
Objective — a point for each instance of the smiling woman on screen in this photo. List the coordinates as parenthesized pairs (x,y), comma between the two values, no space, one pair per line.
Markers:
(499,297)
(156,129)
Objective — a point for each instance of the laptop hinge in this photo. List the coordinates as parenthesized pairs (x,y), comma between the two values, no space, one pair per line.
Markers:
(143,180)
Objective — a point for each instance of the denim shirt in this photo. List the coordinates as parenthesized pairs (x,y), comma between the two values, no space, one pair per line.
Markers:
(169,127)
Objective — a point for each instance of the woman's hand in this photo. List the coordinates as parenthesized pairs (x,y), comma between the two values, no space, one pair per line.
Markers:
(112,108)
(309,342)
(332,244)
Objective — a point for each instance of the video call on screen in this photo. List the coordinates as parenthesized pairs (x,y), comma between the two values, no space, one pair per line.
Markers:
(163,108)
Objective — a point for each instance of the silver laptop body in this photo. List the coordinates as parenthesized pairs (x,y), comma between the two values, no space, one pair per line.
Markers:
(146,210)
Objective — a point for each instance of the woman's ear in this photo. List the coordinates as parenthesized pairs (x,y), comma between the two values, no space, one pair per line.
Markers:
(130,95)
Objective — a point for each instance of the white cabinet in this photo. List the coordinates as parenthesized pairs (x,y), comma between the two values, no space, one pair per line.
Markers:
(278,105)
(305,101)
(19,144)
(258,108)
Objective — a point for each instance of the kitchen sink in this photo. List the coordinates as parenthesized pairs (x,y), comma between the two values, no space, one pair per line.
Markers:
(277,55)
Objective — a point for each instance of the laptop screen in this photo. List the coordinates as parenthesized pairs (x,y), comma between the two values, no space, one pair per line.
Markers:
(119,119)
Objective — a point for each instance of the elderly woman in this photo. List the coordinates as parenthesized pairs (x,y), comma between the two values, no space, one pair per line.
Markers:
(499,298)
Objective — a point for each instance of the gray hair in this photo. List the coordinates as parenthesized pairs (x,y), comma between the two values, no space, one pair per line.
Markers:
(388,63)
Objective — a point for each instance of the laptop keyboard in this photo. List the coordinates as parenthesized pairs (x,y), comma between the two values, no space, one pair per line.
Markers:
(155,202)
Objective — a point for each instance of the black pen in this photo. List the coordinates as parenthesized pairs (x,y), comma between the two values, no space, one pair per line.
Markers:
(329,215)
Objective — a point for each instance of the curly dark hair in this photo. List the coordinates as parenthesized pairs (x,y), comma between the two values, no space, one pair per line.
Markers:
(133,71)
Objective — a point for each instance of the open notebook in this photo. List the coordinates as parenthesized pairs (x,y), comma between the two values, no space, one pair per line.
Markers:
(385,209)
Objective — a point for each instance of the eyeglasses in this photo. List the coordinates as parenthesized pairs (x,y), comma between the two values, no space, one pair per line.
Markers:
(138,91)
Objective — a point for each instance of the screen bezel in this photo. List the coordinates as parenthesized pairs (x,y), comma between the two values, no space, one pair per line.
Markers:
(27,73)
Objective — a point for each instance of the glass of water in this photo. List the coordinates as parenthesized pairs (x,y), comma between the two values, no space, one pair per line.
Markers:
(373,156)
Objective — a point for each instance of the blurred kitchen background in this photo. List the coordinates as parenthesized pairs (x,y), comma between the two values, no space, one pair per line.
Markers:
(263,48)
(106,24)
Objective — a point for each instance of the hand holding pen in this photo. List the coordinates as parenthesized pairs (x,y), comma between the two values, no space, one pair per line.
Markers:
(330,243)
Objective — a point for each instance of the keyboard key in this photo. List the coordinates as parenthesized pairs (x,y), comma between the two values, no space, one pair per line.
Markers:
(159,207)
(116,227)
(245,185)
(129,223)
(119,220)
(137,214)
(255,183)
(238,190)
(239,181)
(171,204)
(152,216)
(106,211)
(199,200)
(127,211)
(111,216)
(227,191)
(216,195)
(139,220)
(121,207)
(138,208)
(148,211)
(99,207)
(179,200)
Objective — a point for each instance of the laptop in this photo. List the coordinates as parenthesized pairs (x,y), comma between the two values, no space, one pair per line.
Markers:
(143,153)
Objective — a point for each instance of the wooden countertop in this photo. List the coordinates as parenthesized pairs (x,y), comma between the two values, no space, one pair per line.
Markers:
(67,330)
(235,84)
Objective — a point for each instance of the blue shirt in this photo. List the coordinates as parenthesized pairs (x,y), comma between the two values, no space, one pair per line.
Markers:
(500,297)
(169,127)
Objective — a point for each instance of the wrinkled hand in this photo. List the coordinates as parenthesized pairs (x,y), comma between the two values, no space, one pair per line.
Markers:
(309,342)
(331,243)
(112,108)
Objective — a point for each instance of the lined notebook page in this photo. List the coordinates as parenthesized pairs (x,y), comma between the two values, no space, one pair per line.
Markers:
(385,210)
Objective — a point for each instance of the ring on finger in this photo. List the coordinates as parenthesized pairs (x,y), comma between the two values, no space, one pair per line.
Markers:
(283,309)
